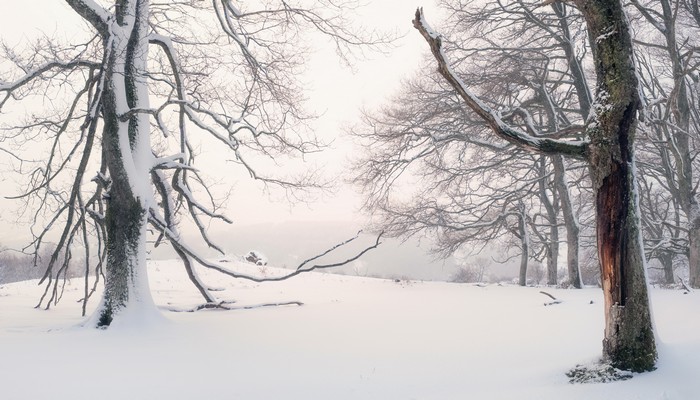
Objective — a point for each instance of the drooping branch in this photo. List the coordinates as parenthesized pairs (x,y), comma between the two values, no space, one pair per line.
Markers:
(9,88)
(71,228)
(491,117)
(302,268)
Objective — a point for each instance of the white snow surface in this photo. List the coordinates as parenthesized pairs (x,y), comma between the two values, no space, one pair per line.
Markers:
(354,338)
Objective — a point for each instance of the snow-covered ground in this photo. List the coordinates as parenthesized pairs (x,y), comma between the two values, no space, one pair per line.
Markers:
(354,338)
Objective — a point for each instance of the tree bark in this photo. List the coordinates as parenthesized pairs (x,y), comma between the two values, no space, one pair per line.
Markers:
(629,341)
(125,220)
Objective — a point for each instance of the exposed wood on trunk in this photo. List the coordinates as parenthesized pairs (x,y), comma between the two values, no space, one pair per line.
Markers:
(629,338)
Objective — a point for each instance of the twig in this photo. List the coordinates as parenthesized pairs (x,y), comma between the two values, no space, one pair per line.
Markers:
(685,286)
(554,299)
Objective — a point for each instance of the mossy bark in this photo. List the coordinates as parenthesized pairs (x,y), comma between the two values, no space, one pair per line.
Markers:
(125,217)
(629,341)
(629,337)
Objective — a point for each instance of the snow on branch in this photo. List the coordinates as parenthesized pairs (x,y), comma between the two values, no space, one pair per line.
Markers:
(537,143)
(37,72)
(179,245)
(93,13)
(554,299)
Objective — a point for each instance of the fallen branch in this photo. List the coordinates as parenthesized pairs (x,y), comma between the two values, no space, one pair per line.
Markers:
(224,305)
(685,285)
(554,299)
(302,268)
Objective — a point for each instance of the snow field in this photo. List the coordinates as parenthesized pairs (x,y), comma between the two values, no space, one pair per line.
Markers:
(354,338)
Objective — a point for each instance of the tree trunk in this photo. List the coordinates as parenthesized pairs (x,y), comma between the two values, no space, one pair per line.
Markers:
(570,223)
(125,140)
(578,75)
(666,260)
(694,244)
(684,173)
(629,342)
(524,246)
(552,244)
(583,95)
(553,257)
(680,110)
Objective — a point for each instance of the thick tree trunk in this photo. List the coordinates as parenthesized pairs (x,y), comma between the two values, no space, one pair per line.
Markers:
(125,222)
(126,282)
(629,341)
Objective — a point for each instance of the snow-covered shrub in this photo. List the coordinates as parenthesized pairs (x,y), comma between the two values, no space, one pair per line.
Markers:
(256,258)
(471,273)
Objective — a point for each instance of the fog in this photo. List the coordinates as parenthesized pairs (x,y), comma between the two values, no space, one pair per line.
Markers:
(264,218)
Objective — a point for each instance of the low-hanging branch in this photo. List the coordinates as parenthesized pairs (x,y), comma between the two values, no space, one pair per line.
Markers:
(537,143)
(179,244)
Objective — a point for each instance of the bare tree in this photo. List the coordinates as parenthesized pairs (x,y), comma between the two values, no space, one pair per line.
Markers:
(669,67)
(546,67)
(465,194)
(664,238)
(531,68)
(149,84)
(610,129)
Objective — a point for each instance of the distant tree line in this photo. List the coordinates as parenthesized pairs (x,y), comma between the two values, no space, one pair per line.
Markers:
(16,266)
(432,166)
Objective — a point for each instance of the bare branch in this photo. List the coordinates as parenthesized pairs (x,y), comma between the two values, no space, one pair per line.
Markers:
(491,117)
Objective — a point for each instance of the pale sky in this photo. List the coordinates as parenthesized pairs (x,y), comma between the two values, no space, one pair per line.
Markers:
(337,92)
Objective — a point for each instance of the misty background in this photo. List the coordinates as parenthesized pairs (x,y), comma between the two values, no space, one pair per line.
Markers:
(264,219)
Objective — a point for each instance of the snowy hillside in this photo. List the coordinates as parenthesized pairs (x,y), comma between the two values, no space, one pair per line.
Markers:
(354,338)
